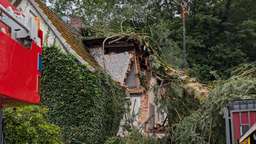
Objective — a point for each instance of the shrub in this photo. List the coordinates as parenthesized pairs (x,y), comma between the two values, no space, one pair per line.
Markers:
(28,124)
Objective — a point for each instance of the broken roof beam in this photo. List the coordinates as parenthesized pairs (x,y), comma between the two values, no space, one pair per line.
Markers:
(119,47)
(123,43)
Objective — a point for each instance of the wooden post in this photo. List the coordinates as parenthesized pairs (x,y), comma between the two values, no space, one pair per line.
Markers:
(184,13)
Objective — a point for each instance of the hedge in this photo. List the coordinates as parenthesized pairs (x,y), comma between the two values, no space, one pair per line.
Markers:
(28,124)
(87,106)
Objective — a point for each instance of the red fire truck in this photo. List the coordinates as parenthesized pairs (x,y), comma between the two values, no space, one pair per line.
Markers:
(20,58)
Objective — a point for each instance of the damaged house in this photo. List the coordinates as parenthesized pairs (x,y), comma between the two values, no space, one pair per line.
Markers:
(127,61)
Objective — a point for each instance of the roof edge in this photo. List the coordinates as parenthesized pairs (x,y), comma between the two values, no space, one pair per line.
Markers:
(66,46)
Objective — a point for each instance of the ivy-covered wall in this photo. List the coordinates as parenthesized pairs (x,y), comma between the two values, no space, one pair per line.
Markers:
(87,106)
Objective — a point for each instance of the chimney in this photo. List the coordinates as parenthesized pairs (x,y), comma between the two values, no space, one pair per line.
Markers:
(76,22)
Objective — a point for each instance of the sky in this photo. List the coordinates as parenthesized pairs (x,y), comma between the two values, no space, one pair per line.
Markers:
(48,2)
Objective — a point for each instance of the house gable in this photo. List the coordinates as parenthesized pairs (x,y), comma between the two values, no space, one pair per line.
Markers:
(56,32)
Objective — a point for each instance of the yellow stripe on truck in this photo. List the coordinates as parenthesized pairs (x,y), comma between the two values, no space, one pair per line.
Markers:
(246,141)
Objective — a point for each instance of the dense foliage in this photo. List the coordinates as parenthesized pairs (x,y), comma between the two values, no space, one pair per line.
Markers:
(177,102)
(87,106)
(206,125)
(220,34)
(29,124)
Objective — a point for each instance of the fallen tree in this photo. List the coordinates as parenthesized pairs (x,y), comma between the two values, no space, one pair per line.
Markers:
(191,85)
(206,125)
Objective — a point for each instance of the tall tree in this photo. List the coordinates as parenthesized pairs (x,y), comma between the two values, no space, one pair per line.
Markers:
(220,34)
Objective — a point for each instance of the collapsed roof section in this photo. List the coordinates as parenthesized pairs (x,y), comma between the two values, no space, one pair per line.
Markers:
(117,55)
(128,44)
(126,59)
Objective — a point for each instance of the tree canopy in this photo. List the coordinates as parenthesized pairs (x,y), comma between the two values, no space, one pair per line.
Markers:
(220,34)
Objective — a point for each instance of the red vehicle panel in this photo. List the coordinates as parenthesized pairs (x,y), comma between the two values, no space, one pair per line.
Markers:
(236,125)
(20,57)
(244,118)
(19,71)
(7,4)
(240,120)
(252,118)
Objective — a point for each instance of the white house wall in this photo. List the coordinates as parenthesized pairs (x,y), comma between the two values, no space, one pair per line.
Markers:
(115,64)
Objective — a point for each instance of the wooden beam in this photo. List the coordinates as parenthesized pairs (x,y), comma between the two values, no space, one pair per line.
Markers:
(118,50)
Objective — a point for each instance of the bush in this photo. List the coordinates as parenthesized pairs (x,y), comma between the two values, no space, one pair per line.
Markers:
(28,124)
(88,106)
